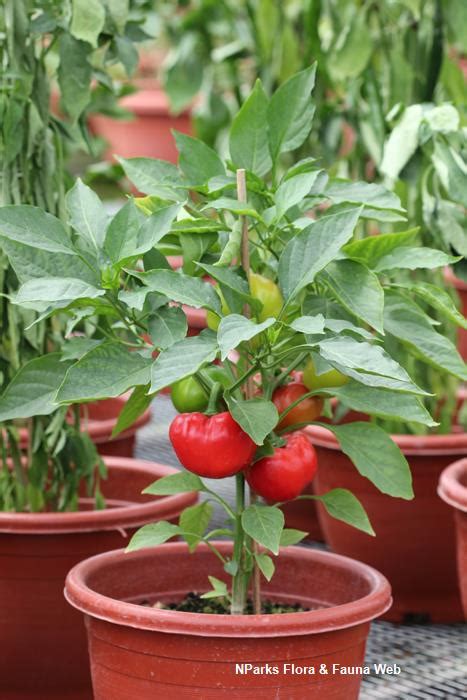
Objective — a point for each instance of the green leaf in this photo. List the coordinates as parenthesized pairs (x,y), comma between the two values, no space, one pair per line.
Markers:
(183,482)
(407,322)
(310,325)
(352,49)
(154,229)
(248,140)
(122,232)
(231,250)
(87,214)
(32,390)
(33,227)
(39,294)
(264,524)
(193,523)
(290,112)
(230,279)
(152,535)
(451,170)
(257,417)
(136,405)
(234,206)
(127,54)
(198,162)
(413,258)
(293,190)
(313,248)
(155,177)
(343,505)
(181,288)
(167,326)
(357,289)
(370,250)
(265,565)
(368,361)
(384,403)
(402,142)
(437,297)
(74,75)
(372,195)
(183,359)
(235,329)
(376,457)
(219,589)
(88,20)
(118,10)
(289,537)
(75,348)
(106,371)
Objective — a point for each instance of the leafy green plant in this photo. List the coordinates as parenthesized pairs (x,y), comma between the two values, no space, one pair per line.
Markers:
(71,44)
(235,221)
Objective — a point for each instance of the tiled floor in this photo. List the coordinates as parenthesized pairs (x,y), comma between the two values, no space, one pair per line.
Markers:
(433,658)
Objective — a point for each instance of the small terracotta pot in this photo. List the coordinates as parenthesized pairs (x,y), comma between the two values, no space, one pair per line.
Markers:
(414,545)
(149,133)
(453,490)
(461,288)
(42,640)
(171,655)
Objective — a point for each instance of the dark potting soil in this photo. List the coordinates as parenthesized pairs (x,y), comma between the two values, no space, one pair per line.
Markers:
(220,606)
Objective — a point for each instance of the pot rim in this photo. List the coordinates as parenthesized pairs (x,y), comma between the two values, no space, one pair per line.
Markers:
(117,518)
(450,487)
(453,443)
(360,611)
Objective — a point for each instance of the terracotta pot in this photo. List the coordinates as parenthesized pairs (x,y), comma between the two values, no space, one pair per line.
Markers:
(461,288)
(171,655)
(100,420)
(149,133)
(453,490)
(414,545)
(42,640)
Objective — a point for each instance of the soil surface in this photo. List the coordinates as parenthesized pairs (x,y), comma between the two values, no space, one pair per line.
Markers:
(193,602)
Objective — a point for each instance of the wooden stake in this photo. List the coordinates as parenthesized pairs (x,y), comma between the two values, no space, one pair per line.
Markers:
(249,392)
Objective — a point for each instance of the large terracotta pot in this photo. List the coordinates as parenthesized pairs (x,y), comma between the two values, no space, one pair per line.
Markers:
(99,420)
(453,490)
(42,640)
(461,288)
(414,545)
(172,655)
(149,133)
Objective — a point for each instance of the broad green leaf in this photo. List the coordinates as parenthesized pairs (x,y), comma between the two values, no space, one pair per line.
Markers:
(183,359)
(134,298)
(118,10)
(366,359)
(337,325)
(452,171)
(248,140)
(384,403)
(257,417)
(106,371)
(235,329)
(290,113)
(74,74)
(152,535)
(193,523)
(154,229)
(136,405)
(437,297)
(264,524)
(234,206)
(370,250)
(198,162)
(181,288)
(75,348)
(343,505)
(265,565)
(376,456)
(231,250)
(407,322)
(219,589)
(127,54)
(357,289)
(229,278)
(155,177)
(32,390)
(33,227)
(293,190)
(183,482)
(371,195)
(310,325)
(402,142)
(39,294)
(87,214)
(353,47)
(413,258)
(87,22)
(313,248)
(167,326)
(291,536)
(122,232)
(184,68)
(197,225)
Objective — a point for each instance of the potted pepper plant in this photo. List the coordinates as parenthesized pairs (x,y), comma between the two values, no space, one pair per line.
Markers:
(276,242)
